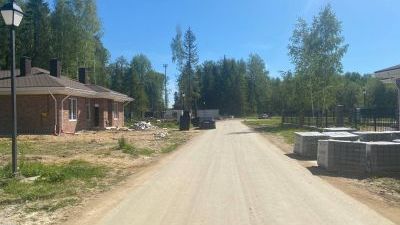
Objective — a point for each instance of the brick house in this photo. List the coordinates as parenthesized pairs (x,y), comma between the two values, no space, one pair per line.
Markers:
(48,102)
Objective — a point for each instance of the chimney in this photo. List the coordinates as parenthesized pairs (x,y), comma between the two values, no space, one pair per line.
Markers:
(83,76)
(25,66)
(55,68)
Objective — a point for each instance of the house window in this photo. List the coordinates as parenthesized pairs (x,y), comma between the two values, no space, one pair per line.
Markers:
(73,109)
(88,110)
(115,110)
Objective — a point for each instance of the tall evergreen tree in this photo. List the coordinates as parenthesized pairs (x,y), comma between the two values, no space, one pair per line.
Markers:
(35,35)
(185,54)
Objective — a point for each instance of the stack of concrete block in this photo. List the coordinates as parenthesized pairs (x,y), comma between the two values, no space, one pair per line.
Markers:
(339,129)
(336,155)
(343,136)
(376,136)
(396,135)
(383,156)
(306,143)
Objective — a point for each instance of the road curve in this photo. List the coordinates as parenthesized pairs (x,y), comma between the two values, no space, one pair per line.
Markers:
(233,176)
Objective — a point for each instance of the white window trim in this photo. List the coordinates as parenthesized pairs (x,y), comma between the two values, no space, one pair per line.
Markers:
(71,100)
(88,110)
(115,111)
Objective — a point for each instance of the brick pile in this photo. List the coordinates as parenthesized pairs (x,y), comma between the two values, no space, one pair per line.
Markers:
(378,136)
(336,155)
(358,156)
(306,143)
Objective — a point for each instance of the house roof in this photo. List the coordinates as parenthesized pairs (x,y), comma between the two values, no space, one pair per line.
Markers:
(389,69)
(41,82)
(388,75)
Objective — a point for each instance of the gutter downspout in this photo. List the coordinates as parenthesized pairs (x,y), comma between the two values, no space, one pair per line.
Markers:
(62,114)
(55,113)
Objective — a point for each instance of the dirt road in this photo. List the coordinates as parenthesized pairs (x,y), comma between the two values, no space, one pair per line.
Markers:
(228,176)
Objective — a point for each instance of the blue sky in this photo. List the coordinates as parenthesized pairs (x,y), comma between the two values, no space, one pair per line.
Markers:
(236,28)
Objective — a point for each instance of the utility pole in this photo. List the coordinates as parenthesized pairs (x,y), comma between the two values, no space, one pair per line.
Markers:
(165,86)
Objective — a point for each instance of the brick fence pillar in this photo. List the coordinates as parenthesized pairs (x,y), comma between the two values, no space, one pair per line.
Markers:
(339,116)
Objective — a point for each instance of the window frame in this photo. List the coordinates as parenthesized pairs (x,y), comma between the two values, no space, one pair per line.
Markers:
(115,112)
(73,111)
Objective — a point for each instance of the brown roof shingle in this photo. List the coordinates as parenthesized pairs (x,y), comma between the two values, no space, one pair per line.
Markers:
(42,78)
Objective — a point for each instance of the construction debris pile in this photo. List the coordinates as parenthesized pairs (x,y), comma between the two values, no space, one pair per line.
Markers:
(142,125)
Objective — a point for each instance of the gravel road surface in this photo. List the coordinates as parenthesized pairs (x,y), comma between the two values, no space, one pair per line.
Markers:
(229,176)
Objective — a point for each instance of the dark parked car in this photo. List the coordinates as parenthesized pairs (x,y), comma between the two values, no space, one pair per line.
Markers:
(263,116)
(207,123)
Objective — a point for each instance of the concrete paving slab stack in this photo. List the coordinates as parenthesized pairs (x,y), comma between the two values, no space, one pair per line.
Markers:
(339,129)
(344,136)
(396,135)
(375,136)
(383,156)
(306,143)
(335,155)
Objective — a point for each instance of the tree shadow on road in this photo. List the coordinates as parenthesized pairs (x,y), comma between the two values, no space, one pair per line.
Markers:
(299,157)
(319,171)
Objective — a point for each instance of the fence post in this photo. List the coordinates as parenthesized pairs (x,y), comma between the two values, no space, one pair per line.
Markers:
(356,113)
(326,119)
(339,116)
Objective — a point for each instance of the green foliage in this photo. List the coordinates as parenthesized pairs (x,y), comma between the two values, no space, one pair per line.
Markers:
(139,81)
(51,179)
(316,50)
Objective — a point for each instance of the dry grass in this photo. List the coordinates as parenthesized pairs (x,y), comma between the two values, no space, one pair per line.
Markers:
(19,202)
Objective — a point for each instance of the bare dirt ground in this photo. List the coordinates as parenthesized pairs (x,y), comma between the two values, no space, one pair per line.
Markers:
(367,191)
(230,176)
(99,148)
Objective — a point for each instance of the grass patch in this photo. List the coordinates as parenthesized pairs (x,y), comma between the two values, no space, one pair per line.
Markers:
(274,126)
(133,150)
(53,180)
(170,148)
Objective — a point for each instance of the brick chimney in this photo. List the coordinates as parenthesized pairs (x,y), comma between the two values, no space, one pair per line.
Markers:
(55,68)
(83,76)
(25,66)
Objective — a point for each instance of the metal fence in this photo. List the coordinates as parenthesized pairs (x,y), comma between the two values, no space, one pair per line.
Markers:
(377,119)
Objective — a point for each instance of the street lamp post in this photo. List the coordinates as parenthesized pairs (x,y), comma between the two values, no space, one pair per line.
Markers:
(12,15)
(365,95)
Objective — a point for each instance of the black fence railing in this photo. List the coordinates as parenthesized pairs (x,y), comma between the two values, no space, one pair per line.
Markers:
(377,119)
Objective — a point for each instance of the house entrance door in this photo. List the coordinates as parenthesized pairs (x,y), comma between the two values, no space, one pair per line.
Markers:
(96,116)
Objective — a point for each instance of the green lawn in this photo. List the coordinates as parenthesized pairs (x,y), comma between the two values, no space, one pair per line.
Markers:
(274,126)
(53,180)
